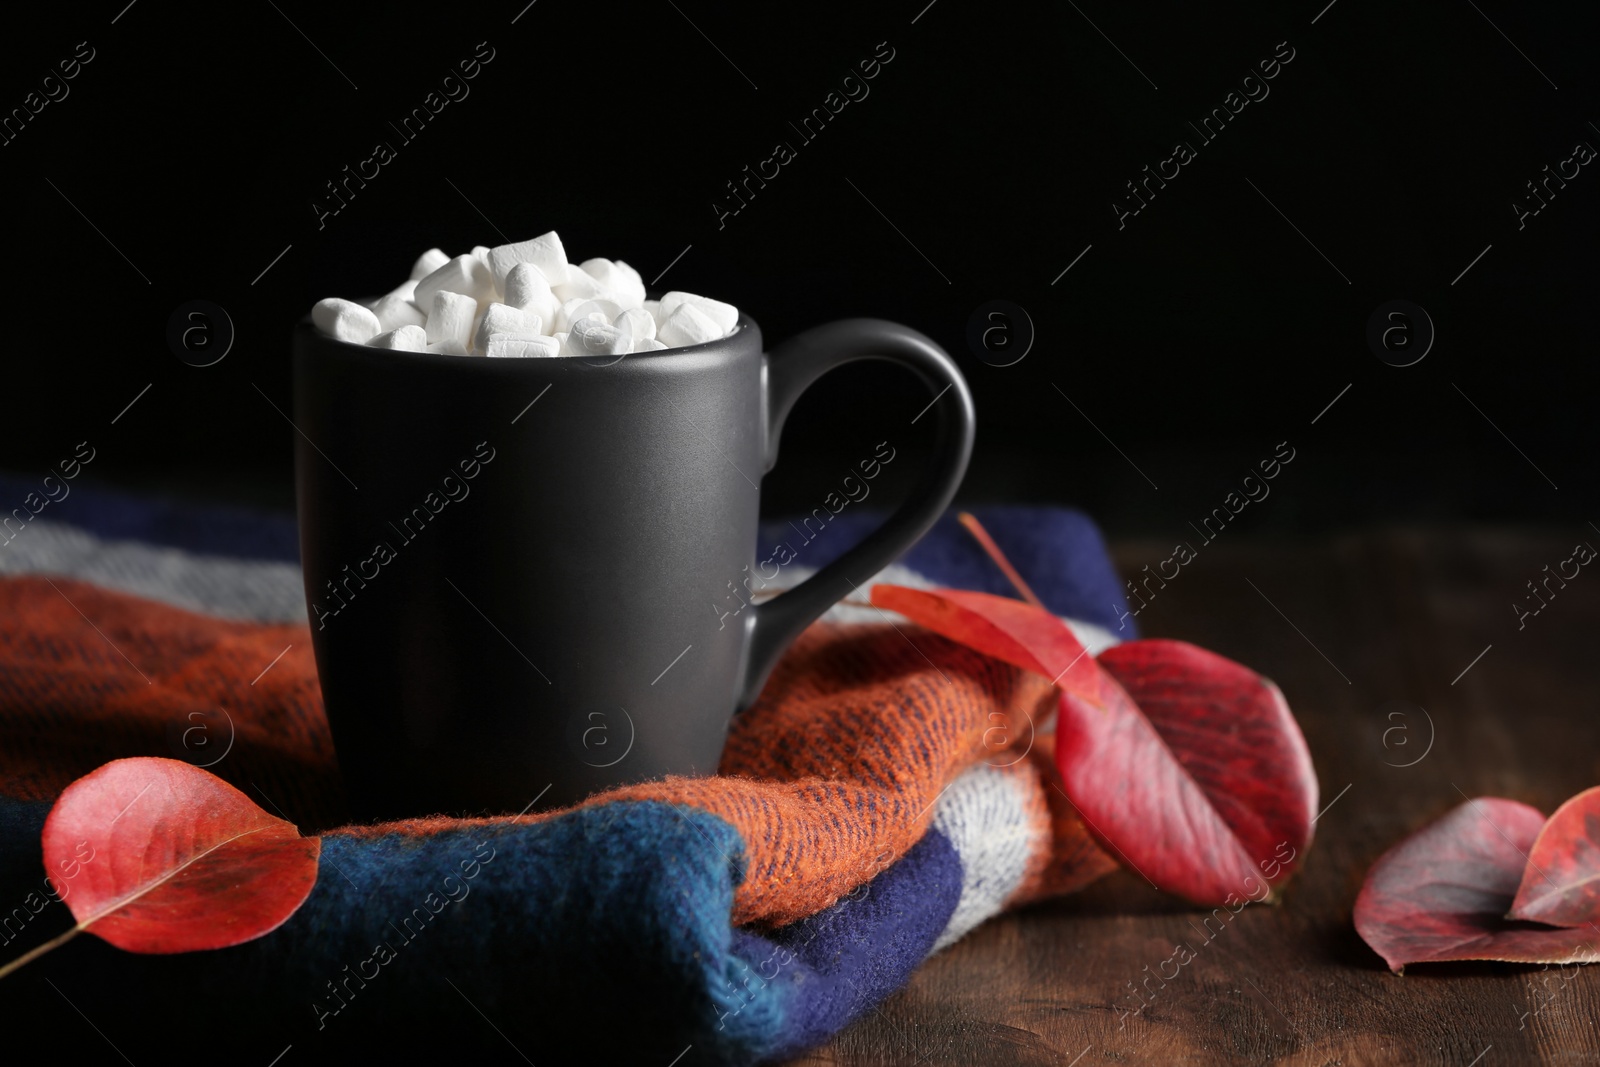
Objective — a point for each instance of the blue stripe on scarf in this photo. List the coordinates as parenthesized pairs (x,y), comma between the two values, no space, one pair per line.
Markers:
(603,933)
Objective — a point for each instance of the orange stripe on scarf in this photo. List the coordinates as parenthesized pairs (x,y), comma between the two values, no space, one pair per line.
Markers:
(70,701)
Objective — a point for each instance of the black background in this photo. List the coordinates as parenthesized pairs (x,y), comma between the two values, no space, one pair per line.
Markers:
(984,160)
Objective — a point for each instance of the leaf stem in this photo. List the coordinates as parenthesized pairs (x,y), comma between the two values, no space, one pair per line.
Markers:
(35,953)
(975,528)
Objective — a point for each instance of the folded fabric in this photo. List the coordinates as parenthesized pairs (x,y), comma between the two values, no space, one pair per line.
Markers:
(867,813)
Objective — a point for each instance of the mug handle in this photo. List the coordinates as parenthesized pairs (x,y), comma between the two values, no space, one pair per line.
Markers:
(789,370)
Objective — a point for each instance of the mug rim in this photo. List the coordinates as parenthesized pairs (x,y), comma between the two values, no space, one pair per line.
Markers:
(744,326)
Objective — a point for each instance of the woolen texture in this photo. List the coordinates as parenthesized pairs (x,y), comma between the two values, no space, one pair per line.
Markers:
(730,919)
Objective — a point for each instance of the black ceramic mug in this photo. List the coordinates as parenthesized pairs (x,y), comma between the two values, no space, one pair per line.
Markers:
(519,570)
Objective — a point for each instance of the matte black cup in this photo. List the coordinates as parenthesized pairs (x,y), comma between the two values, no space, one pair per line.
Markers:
(519,570)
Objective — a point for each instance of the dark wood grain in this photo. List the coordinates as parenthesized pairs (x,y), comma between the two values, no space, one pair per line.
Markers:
(1392,616)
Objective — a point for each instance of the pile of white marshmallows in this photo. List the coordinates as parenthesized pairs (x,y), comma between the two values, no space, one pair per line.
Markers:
(525,299)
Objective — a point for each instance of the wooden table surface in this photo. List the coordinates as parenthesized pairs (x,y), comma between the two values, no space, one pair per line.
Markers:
(1353,628)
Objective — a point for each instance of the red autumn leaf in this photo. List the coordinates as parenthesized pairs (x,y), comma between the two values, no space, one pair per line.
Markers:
(1212,726)
(156,855)
(1209,796)
(1561,883)
(1443,892)
(1009,630)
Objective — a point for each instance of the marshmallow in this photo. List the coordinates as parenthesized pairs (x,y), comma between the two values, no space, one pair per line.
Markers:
(527,288)
(563,315)
(345,320)
(590,337)
(427,263)
(544,252)
(467,275)
(522,346)
(724,315)
(502,318)
(396,309)
(688,325)
(579,308)
(503,298)
(636,323)
(450,318)
(629,283)
(577,283)
(621,280)
(404,339)
(602,308)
